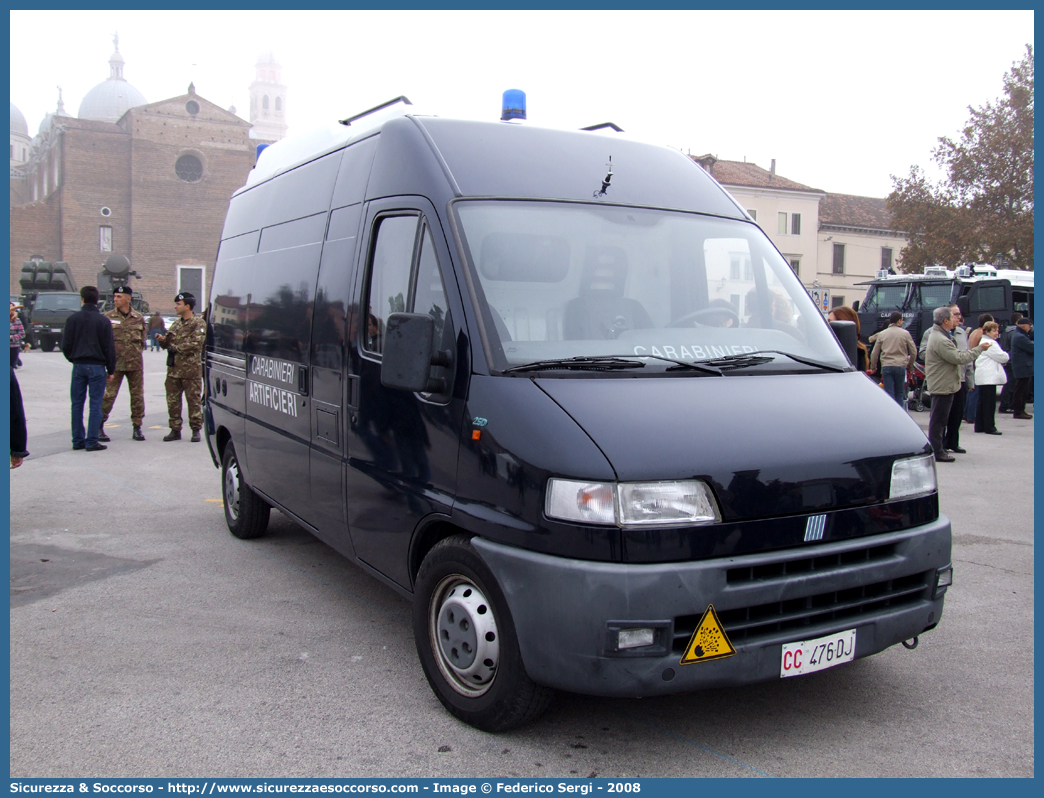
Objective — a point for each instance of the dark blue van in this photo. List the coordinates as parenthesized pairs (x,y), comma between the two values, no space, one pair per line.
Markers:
(559,389)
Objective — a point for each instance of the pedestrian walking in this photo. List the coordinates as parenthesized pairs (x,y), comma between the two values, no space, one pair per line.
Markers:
(19,434)
(989,373)
(943,361)
(184,344)
(87,343)
(1022,366)
(17,336)
(128,332)
(156,327)
(894,350)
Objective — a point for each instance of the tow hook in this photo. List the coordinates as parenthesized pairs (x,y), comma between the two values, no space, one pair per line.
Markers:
(910,644)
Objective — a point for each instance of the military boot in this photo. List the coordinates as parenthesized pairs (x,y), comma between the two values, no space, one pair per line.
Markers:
(195,436)
(173,435)
(102,437)
(136,435)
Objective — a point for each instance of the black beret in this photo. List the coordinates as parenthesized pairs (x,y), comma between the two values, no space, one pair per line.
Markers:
(184,296)
(123,289)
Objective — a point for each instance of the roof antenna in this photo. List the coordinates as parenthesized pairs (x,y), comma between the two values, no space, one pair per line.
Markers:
(605,180)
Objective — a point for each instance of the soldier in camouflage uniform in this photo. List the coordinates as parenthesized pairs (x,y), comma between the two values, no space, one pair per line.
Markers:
(128,332)
(184,344)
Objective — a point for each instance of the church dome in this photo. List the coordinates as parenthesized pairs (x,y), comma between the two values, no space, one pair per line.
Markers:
(48,120)
(18,123)
(111,99)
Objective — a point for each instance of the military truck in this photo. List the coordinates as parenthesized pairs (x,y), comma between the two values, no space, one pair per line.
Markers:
(50,296)
(48,316)
(116,273)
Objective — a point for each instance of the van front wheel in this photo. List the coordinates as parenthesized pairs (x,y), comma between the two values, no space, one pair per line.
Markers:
(467,643)
(246,513)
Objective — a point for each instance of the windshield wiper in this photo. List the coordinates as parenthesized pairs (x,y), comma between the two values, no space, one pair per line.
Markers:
(581,362)
(610,363)
(758,358)
(725,363)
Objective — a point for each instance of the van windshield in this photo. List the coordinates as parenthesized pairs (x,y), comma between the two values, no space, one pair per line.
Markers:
(559,280)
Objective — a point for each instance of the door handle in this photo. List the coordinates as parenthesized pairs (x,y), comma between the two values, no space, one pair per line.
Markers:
(302,380)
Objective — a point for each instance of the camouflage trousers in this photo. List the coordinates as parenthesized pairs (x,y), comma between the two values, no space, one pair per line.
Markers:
(136,383)
(192,387)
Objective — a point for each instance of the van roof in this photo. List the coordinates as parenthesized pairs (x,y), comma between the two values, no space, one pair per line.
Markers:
(501,159)
(979,273)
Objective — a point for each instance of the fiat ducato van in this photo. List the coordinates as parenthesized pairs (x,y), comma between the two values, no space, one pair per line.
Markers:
(561,391)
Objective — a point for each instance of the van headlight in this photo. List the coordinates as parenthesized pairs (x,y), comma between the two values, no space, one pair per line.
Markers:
(912,476)
(627,504)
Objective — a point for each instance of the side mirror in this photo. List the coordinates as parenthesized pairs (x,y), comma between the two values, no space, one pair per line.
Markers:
(963,304)
(855,306)
(409,353)
(845,332)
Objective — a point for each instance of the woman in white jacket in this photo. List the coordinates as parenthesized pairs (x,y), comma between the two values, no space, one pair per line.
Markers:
(989,373)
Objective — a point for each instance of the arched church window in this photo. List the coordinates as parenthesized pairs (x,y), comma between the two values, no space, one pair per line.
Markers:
(264,102)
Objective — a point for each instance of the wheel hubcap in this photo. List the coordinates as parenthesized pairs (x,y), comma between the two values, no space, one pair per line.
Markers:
(464,635)
(232,489)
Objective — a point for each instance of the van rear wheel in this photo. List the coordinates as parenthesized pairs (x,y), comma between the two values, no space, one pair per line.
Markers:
(467,643)
(246,513)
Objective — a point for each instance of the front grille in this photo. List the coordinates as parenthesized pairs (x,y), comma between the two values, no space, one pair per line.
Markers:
(775,570)
(855,604)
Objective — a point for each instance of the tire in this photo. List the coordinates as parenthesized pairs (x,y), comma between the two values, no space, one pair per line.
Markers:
(246,513)
(476,669)
(47,345)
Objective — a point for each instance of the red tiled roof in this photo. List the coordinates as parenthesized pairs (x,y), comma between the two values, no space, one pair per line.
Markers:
(741,173)
(847,210)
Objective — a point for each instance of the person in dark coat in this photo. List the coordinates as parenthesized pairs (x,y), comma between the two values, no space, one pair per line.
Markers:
(1021,366)
(19,435)
(1005,343)
(87,343)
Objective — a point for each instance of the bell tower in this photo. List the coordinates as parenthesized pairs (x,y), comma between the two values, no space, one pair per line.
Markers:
(268,100)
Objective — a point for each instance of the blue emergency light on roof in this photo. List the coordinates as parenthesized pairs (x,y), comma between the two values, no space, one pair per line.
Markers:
(514,106)
(260,149)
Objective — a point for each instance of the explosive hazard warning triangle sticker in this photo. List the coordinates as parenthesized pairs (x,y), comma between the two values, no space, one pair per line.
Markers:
(709,641)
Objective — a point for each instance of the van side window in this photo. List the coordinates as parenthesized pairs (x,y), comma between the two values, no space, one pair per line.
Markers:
(430,295)
(389,276)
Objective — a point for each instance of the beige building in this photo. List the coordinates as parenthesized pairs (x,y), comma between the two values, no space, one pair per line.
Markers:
(855,242)
(832,241)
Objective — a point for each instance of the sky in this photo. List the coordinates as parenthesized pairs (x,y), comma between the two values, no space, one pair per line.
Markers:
(841,100)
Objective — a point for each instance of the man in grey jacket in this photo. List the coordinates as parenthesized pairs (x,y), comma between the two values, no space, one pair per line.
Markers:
(959,335)
(942,369)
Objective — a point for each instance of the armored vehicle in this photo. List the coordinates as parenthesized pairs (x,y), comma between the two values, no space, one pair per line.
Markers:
(975,289)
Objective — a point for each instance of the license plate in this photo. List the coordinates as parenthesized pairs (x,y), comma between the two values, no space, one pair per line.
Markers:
(809,656)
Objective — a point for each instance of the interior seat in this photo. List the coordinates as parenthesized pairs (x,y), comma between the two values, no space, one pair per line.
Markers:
(601,311)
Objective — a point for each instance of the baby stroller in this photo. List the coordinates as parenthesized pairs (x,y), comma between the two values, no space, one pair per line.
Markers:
(917,397)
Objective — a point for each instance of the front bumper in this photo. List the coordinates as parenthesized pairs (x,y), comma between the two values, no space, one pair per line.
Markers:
(882,585)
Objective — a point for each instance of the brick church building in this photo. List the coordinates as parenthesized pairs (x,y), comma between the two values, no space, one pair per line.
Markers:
(150,181)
